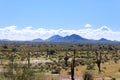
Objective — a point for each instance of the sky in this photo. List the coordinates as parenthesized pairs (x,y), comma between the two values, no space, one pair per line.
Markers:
(30,19)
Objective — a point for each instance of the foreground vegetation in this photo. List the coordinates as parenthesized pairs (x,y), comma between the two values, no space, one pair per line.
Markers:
(37,61)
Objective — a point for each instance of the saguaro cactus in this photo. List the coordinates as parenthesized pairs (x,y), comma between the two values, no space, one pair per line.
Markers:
(28,59)
(72,66)
(98,57)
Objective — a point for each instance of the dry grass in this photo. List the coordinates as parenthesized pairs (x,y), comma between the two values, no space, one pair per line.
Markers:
(108,70)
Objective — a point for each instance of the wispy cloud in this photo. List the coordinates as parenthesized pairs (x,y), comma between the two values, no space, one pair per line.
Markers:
(29,33)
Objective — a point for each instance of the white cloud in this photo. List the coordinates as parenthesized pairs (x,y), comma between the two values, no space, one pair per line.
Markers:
(88,25)
(104,28)
(29,33)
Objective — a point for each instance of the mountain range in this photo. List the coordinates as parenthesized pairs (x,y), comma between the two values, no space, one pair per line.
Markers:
(67,39)
(73,39)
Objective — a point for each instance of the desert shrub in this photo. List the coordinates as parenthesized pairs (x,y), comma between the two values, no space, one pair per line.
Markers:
(14,49)
(5,46)
(90,67)
(19,72)
(27,74)
(56,71)
(104,68)
(87,75)
(50,52)
(113,78)
(119,70)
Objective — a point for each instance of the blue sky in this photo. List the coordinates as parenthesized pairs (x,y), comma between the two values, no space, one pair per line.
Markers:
(16,16)
(66,14)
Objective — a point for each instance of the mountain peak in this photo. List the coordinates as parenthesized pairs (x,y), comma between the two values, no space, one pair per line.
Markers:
(55,37)
(75,37)
(58,36)
(103,39)
(37,40)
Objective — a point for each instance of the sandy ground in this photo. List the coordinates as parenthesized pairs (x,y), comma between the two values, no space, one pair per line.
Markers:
(38,61)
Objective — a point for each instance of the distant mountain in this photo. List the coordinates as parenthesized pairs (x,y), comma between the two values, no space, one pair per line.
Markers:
(67,39)
(37,40)
(54,38)
(77,39)
(73,39)
(103,40)
(4,40)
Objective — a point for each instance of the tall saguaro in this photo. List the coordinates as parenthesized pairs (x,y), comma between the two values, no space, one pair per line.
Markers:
(98,57)
(72,66)
(28,59)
